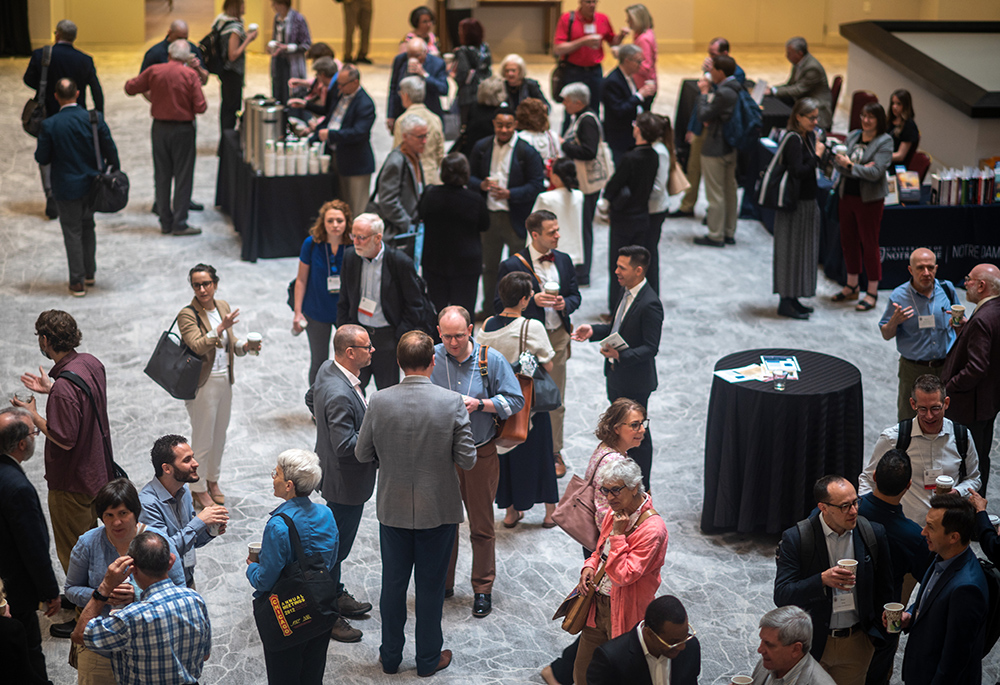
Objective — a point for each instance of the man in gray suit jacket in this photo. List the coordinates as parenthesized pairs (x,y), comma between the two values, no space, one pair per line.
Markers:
(417,432)
(338,404)
(808,79)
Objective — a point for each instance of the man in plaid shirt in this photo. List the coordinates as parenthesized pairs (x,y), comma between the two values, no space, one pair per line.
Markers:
(162,639)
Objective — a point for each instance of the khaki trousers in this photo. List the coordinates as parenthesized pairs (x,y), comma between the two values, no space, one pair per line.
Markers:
(560,341)
(499,234)
(357,15)
(846,659)
(479,489)
(908,374)
(693,174)
(92,668)
(592,638)
(354,190)
(720,190)
(72,514)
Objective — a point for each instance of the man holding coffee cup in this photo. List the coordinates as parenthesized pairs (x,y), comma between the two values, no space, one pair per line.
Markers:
(557,295)
(785,637)
(167,504)
(845,607)
(920,317)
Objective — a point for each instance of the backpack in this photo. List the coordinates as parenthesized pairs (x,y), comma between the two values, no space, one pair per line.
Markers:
(744,125)
(961,442)
(807,537)
(211,50)
(992,620)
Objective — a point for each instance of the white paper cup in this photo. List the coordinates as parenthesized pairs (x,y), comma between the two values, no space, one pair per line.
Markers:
(313,165)
(254,340)
(253,551)
(324,164)
(302,163)
(840,149)
(848,565)
(957,312)
(215,530)
(894,617)
(281,161)
(551,288)
(944,484)
(252,27)
(741,680)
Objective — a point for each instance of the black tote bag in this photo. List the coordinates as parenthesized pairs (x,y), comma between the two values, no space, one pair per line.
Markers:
(174,367)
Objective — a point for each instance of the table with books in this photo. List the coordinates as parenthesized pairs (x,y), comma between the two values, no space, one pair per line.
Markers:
(764,447)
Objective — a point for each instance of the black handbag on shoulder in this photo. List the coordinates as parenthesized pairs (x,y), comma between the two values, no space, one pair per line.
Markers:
(301,605)
(109,189)
(173,366)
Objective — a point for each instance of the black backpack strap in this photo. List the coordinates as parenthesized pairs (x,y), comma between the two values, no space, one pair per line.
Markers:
(962,443)
(905,428)
(82,384)
(949,289)
(807,540)
(97,143)
(868,537)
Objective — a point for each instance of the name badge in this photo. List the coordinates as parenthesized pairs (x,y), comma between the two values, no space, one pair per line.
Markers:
(843,600)
(333,284)
(367,306)
(930,478)
(926,321)
(590,28)
(189,559)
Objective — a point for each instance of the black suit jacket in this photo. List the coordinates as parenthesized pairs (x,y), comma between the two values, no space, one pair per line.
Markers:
(436,83)
(972,370)
(798,581)
(401,292)
(620,106)
(568,287)
(525,180)
(66,62)
(353,140)
(25,564)
(622,662)
(67,143)
(641,328)
(453,217)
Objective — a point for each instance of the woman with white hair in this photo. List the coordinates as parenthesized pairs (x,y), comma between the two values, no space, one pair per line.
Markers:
(517,84)
(296,475)
(630,551)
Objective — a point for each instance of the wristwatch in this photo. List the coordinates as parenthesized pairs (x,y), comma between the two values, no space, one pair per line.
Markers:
(99,597)
(481,405)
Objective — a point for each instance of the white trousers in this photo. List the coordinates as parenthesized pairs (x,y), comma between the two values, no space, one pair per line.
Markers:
(209,412)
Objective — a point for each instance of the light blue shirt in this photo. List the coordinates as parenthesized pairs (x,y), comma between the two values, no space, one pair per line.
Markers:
(464,378)
(922,344)
(371,287)
(175,516)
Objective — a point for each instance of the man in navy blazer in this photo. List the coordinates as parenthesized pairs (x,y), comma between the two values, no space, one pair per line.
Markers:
(665,635)
(347,130)
(631,371)
(546,264)
(510,174)
(623,102)
(845,607)
(67,144)
(65,62)
(416,62)
(946,623)
(25,564)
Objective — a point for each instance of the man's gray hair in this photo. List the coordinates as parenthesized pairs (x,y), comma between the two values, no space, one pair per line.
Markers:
(412,122)
(799,44)
(325,66)
(624,471)
(16,430)
(373,221)
(627,51)
(577,92)
(179,50)
(67,30)
(414,88)
(302,468)
(793,625)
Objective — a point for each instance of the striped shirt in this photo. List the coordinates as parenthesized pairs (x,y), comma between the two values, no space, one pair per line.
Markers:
(163,639)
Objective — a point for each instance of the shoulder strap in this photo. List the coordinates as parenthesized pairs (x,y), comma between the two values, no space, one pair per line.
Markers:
(524,336)
(293,537)
(530,268)
(905,429)
(597,468)
(483,365)
(962,443)
(807,540)
(97,144)
(197,319)
(642,517)
(82,384)
(868,537)
(44,81)
(949,289)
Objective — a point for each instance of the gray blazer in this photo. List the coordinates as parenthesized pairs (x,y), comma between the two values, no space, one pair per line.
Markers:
(418,432)
(396,195)
(339,413)
(808,79)
(873,183)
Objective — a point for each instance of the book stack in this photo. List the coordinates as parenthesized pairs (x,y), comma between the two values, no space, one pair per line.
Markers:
(968,186)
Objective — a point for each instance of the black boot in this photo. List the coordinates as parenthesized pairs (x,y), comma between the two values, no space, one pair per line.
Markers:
(787,308)
(801,307)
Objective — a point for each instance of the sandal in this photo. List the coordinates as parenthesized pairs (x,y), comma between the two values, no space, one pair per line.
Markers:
(520,515)
(864,305)
(842,296)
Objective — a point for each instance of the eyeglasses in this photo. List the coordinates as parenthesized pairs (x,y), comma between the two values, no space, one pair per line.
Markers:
(368,347)
(636,425)
(844,507)
(274,474)
(457,337)
(670,647)
(34,431)
(924,411)
(203,285)
(611,491)
(361,238)
(970,278)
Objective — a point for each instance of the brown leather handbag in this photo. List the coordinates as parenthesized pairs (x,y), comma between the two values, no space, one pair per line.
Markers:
(511,431)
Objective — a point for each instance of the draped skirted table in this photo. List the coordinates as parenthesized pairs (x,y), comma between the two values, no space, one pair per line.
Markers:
(764,449)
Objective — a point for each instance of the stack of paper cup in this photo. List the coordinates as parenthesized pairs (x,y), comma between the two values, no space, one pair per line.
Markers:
(324,164)
(279,169)
(313,164)
(270,163)
(302,165)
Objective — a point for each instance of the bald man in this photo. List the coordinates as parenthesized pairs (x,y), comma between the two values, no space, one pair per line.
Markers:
(158,53)
(972,370)
(918,316)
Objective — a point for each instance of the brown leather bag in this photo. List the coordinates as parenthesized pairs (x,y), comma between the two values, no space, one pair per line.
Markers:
(512,431)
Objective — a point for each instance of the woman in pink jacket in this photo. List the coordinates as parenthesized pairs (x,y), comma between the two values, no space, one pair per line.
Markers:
(631,548)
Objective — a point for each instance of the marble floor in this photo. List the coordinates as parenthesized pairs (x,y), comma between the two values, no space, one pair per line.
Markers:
(716,302)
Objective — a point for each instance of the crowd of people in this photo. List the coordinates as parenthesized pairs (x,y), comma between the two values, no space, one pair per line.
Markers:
(430,439)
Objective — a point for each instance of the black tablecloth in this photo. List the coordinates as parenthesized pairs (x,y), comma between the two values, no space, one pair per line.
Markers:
(272,214)
(764,449)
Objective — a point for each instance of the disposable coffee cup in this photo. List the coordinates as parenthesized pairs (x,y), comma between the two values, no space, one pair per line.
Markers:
(944,485)
(3,603)
(848,565)
(957,312)
(215,530)
(253,551)
(324,164)
(840,149)
(253,340)
(252,27)
(741,680)
(271,45)
(551,288)
(894,617)
(313,166)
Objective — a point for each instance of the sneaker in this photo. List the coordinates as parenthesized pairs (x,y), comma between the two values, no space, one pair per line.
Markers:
(343,632)
(77,290)
(89,281)
(350,607)
(187,230)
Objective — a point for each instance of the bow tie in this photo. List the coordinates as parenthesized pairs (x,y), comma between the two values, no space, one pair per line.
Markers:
(547,258)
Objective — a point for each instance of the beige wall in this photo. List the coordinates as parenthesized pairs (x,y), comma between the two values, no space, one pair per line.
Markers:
(101,23)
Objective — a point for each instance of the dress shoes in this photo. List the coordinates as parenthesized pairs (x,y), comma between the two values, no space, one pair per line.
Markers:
(482,605)
(195,206)
(560,465)
(344,632)
(443,663)
(77,290)
(187,230)
(786,308)
(62,630)
(729,241)
(364,60)
(350,607)
(801,307)
(708,242)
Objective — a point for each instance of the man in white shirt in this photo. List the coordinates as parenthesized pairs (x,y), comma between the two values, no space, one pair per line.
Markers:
(661,650)
(785,638)
(935,449)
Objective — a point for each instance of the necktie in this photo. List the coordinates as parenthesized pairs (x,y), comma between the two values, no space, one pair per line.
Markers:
(621,311)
